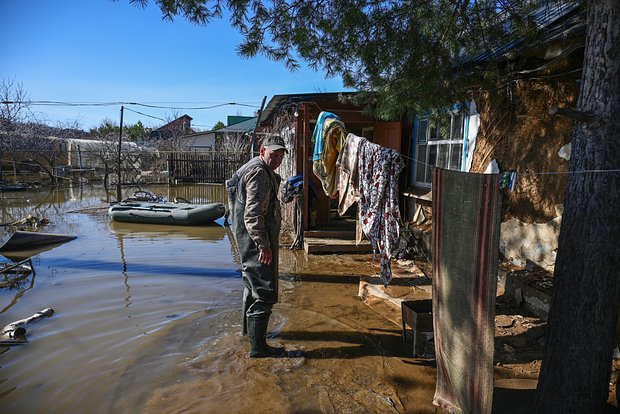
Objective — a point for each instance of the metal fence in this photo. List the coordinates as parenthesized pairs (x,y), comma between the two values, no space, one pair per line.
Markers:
(204,167)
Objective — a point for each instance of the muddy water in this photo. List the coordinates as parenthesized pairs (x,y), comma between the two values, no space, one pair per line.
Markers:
(147,320)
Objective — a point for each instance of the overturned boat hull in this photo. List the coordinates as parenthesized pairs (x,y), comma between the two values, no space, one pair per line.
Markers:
(24,244)
(181,214)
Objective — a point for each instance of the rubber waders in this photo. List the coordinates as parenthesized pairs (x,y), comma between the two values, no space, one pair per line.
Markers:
(257,333)
(247,301)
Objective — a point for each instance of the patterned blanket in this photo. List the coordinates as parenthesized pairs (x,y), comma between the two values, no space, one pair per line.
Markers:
(379,215)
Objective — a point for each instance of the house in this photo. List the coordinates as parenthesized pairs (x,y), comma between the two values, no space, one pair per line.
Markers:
(294,117)
(197,142)
(235,135)
(211,156)
(510,128)
(229,138)
(173,129)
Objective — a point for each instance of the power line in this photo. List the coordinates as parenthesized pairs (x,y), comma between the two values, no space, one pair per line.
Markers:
(145,104)
(140,113)
(194,108)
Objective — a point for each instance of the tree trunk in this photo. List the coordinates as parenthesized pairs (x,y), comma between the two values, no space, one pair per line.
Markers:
(580,336)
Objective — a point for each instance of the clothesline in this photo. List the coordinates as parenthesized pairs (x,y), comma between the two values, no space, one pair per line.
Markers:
(616,170)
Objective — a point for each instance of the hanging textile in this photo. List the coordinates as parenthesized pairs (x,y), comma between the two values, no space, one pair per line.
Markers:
(317,134)
(379,215)
(348,173)
(332,138)
(473,125)
(293,191)
(466,223)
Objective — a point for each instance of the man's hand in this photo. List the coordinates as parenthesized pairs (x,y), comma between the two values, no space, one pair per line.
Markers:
(265,255)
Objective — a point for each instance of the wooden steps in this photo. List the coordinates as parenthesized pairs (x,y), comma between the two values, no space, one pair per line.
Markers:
(333,241)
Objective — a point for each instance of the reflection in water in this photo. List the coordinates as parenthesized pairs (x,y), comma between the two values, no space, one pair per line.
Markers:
(211,232)
(119,237)
(154,268)
(20,293)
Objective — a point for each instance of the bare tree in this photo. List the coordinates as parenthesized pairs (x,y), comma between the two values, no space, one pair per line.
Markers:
(284,126)
(104,152)
(168,138)
(14,111)
(103,155)
(233,142)
(39,145)
(14,104)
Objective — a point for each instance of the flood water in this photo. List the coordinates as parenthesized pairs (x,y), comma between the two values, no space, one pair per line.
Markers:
(147,319)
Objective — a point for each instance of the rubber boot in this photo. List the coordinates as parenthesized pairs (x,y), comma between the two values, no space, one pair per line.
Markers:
(257,333)
(244,329)
(247,301)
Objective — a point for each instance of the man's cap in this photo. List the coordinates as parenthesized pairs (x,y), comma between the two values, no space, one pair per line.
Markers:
(274,143)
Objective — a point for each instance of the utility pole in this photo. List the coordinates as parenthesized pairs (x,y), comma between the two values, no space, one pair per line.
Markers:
(253,142)
(118,164)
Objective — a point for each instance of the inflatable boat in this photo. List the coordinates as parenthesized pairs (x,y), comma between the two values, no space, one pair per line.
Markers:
(182,214)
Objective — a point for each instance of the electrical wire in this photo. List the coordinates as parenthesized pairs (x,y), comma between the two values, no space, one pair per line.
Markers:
(613,170)
(147,105)
(143,114)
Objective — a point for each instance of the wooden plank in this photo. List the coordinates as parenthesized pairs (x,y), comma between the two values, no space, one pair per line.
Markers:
(324,245)
(330,234)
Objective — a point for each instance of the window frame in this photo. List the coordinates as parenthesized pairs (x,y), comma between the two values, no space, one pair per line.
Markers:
(432,140)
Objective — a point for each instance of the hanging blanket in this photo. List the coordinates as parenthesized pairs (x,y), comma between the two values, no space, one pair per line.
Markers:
(466,223)
(324,167)
(379,215)
(348,173)
(317,134)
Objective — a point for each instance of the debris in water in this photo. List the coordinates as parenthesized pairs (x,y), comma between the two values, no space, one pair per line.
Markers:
(15,333)
(28,222)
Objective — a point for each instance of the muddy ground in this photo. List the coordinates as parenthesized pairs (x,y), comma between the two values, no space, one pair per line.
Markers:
(342,357)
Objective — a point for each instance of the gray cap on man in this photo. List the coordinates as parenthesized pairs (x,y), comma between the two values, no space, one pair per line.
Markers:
(274,143)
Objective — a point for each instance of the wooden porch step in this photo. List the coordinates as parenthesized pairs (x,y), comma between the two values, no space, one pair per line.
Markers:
(330,234)
(331,245)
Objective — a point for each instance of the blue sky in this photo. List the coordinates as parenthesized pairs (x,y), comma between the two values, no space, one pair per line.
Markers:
(104,51)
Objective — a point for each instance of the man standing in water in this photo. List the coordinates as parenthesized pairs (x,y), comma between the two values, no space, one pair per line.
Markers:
(256,217)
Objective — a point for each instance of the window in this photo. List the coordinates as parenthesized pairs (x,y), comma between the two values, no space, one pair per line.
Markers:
(439,143)
(368,133)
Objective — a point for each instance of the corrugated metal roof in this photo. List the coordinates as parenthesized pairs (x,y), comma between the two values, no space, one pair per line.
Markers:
(243,126)
(550,18)
(280,101)
(235,119)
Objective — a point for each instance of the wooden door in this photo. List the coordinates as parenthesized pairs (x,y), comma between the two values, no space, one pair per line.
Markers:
(388,134)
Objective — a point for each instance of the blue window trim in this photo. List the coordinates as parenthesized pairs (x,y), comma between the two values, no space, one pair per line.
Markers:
(414,152)
(465,141)
(414,146)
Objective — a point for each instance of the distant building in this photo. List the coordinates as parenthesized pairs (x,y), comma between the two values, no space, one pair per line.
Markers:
(229,138)
(174,129)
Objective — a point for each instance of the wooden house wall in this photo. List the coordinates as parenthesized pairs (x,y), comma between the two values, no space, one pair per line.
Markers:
(317,209)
